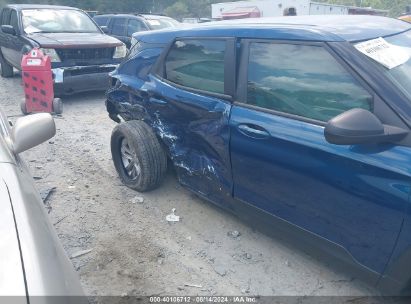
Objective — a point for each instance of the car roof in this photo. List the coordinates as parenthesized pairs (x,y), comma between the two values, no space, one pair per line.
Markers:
(146,16)
(116,15)
(39,6)
(307,28)
(149,16)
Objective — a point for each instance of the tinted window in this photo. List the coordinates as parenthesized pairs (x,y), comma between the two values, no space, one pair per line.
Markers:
(133,26)
(5,17)
(101,20)
(303,80)
(119,26)
(400,75)
(13,20)
(197,64)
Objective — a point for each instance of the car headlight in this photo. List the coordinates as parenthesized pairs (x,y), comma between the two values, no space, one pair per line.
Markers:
(120,52)
(54,57)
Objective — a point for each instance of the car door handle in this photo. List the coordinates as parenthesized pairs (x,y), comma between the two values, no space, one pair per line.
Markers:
(158,101)
(253,131)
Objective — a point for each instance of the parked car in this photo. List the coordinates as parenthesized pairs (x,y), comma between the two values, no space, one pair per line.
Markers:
(33,263)
(407,15)
(81,54)
(282,119)
(122,26)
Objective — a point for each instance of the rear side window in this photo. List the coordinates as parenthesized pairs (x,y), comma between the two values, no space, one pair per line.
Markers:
(133,26)
(197,64)
(5,17)
(101,21)
(13,20)
(119,26)
(302,80)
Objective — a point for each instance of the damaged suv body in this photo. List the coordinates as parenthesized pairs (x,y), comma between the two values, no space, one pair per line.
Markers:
(81,54)
(282,121)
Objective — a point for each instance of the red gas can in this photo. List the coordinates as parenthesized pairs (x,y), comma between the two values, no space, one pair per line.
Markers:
(38,84)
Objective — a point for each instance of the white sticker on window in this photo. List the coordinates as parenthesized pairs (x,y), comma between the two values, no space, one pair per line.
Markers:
(154,22)
(387,54)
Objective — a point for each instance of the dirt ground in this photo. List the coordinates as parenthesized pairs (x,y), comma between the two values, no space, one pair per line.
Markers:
(134,250)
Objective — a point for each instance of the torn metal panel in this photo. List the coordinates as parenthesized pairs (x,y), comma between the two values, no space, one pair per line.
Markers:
(193,128)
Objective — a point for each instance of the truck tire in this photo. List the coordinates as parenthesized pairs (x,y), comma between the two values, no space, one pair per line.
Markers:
(6,69)
(138,156)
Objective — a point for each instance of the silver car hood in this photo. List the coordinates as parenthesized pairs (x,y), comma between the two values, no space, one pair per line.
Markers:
(11,274)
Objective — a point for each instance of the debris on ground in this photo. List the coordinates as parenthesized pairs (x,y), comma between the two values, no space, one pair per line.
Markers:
(234,234)
(172,217)
(137,200)
(45,194)
(220,269)
(60,220)
(193,285)
(80,253)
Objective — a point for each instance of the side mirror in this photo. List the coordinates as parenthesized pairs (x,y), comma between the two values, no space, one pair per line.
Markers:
(32,130)
(359,126)
(8,29)
(104,29)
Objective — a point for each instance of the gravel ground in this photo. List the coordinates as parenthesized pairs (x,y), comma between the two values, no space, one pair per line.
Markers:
(134,250)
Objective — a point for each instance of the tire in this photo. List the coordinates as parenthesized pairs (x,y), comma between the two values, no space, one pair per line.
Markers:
(134,145)
(57,106)
(23,107)
(6,69)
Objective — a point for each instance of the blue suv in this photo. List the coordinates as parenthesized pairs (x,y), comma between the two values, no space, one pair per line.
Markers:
(300,122)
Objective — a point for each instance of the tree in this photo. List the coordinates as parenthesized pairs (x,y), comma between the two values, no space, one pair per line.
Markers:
(178,10)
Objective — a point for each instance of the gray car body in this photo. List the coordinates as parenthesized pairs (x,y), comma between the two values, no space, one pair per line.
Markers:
(33,262)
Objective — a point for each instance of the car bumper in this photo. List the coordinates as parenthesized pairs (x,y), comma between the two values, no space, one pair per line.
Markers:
(69,80)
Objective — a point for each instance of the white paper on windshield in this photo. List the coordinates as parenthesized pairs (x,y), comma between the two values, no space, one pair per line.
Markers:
(154,22)
(385,53)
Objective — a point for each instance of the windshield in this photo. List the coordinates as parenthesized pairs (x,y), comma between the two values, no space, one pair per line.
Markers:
(161,23)
(57,21)
(401,74)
